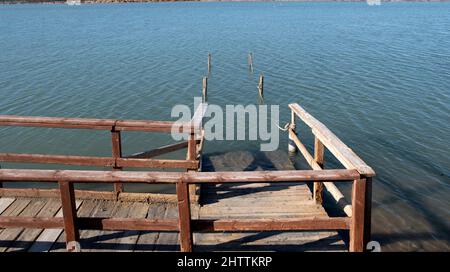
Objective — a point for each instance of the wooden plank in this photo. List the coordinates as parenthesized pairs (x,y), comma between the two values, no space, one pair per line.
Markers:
(87,194)
(157,163)
(319,159)
(48,237)
(184,215)
(69,214)
(147,239)
(28,236)
(331,223)
(341,151)
(357,223)
(159,151)
(174,177)
(90,238)
(57,159)
(5,202)
(8,236)
(86,123)
(168,241)
(87,208)
(126,240)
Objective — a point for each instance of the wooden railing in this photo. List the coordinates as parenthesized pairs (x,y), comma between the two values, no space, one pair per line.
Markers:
(117,162)
(358,212)
(185,225)
(360,208)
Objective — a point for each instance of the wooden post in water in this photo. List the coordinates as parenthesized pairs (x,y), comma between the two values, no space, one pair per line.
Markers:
(116,153)
(250,61)
(205,89)
(69,216)
(319,158)
(261,86)
(291,145)
(209,63)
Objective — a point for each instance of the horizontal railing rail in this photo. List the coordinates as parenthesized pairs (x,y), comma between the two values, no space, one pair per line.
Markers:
(185,224)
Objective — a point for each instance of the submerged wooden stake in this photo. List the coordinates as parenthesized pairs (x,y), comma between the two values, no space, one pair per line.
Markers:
(250,61)
(209,62)
(205,88)
(261,86)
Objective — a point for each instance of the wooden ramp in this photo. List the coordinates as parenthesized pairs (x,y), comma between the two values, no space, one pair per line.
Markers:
(281,200)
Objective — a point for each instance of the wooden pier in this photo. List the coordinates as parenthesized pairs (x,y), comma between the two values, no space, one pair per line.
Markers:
(239,205)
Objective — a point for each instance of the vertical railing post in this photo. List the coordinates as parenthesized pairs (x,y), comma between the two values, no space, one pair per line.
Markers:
(192,155)
(319,158)
(184,216)
(69,216)
(116,153)
(291,145)
(368,212)
(358,215)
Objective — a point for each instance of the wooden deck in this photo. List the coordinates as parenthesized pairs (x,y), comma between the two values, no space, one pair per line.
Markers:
(250,201)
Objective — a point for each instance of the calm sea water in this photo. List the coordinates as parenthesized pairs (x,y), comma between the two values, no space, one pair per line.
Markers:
(379,77)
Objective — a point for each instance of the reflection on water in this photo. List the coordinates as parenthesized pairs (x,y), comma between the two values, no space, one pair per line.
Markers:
(377,76)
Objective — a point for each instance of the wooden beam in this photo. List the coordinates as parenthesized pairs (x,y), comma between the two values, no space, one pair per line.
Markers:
(358,220)
(87,123)
(69,214)
(128,224)
(57,159)
(89,194)
(82,176)
(31,222)
(153,163)
(329,223)
(184,215)
(159,151)
(341,151)
(319,159)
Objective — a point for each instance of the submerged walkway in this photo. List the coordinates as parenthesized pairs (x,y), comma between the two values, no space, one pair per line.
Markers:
(219,201)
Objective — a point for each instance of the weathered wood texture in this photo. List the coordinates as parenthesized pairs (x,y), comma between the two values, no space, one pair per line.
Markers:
(340,150)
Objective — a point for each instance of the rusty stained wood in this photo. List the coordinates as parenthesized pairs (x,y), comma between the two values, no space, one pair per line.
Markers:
(340,150)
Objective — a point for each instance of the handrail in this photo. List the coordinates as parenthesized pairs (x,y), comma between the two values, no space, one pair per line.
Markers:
(340,150)
(82,176)
(89,123)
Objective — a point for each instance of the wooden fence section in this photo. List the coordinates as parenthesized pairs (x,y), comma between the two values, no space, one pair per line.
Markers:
(357,221)
(360,208)
(117,162)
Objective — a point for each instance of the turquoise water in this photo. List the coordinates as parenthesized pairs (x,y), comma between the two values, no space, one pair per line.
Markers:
(378,76)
